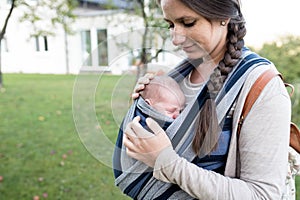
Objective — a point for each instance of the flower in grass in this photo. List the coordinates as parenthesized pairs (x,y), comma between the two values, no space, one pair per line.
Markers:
(64,156)
(40,179)
(62,163)
(45,195)
(1,179)
(58,112)
(52,152)
(41,118)
(36,197)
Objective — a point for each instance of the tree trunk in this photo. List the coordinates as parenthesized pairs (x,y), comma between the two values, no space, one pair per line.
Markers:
(67,53)
(2,33)
(1,80)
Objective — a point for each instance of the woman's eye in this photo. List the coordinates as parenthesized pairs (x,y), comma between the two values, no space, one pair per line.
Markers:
(190,24)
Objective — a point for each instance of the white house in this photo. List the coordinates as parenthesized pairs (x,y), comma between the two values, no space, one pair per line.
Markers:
(95,46)
(64,53)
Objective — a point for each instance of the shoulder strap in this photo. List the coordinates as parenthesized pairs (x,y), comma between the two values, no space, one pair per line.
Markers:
(254,92)
(256,89)
(250,61)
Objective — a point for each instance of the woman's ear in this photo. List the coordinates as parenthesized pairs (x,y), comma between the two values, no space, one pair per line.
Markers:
(225,22)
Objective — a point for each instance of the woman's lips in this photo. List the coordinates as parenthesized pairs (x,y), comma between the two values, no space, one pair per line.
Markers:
(189,48)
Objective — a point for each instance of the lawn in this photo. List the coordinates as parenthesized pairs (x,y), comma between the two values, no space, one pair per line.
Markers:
(40,151)
(46,149)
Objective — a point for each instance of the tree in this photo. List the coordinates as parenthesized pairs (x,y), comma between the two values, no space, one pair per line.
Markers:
(44,15)
(2,34)
(152,18)
(154,29)
(285,54)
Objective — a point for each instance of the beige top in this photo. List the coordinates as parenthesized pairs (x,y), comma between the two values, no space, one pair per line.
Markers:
(256,167)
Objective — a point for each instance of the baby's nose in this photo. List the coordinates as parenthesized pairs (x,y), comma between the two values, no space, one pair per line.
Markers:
(175,115)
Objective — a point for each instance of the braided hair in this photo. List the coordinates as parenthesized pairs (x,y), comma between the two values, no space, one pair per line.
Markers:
(207,124)
(207,121)
(217,10)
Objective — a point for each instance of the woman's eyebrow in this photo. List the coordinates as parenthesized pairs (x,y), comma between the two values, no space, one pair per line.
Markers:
(180,19)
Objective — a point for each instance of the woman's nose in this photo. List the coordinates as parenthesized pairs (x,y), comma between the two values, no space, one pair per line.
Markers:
(177,37)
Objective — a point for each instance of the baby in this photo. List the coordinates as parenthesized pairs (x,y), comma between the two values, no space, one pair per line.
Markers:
(164,95)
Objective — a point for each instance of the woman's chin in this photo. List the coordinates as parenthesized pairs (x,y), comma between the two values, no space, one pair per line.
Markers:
(194,55)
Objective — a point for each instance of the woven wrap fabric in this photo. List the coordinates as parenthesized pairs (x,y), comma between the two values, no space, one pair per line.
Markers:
(133,177)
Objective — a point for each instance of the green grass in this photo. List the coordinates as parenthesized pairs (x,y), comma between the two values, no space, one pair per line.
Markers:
(37,130)
(40,149)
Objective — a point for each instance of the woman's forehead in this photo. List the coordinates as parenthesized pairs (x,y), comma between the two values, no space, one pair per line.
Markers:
(182,11)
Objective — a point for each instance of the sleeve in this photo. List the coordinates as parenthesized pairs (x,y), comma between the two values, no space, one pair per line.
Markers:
(263,149)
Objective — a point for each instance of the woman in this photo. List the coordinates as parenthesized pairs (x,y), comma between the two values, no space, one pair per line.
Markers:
(201,157)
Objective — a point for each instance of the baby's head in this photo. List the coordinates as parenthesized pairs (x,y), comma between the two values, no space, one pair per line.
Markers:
(164,95)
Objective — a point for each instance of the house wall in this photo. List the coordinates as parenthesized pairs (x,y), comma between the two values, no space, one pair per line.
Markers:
(19,49)
(64,54)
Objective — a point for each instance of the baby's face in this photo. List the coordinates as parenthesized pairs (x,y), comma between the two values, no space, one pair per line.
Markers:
(170,106)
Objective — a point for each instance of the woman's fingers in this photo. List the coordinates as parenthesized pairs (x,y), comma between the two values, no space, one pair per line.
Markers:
(142,144)
(146,78)
(140,131)
(128,143)
(131,149)
(150,76)
(142,81)
(138,88)
(135,95)
(154,126)
(161,135)
(134,132)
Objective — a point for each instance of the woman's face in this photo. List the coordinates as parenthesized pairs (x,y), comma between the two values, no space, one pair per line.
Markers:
(196,36)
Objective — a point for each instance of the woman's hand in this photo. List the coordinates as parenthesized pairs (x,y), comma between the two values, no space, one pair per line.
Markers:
(142,144)
(142,81)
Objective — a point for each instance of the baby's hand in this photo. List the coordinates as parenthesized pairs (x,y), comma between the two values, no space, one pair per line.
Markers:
(140,86)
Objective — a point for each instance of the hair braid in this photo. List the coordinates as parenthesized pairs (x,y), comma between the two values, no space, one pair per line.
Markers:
(207,121)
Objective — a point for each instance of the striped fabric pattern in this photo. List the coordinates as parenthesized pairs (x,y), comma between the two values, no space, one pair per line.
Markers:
(133,177)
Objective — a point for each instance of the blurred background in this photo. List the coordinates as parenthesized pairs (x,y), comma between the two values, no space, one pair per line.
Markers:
(52,51)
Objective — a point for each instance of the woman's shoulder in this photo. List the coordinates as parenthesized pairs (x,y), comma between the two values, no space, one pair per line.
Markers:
(258,67)
(273,88)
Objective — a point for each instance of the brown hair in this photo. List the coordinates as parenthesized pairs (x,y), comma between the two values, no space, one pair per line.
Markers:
(220,10)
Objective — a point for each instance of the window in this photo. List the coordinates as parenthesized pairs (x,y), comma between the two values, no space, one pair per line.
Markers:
(41,43)
(4,46)
(102,47)
(86,47)
(37,43)
(45,43)
(94,47)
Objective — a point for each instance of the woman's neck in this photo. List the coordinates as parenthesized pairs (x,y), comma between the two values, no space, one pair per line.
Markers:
(202,73)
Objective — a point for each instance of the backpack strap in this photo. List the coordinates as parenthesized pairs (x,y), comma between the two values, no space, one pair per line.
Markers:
(253,94)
